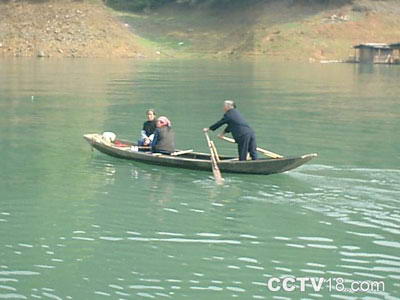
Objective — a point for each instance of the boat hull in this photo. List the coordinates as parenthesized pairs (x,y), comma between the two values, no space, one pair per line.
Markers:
(200,161)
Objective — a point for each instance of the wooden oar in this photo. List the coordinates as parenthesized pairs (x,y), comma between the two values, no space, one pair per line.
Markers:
(263,151)
(214,164)
(176,153)
(215,151)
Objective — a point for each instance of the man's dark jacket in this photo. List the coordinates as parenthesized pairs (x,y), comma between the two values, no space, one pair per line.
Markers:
(237,125)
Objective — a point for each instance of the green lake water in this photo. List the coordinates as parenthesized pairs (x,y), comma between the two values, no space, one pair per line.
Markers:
(77,224)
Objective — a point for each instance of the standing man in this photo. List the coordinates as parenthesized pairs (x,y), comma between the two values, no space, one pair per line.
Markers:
(241,131)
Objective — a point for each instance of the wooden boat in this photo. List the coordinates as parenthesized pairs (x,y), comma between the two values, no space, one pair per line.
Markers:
(196,160)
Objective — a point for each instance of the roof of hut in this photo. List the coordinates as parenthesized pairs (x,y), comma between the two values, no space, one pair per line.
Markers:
(395,46)
(373,46)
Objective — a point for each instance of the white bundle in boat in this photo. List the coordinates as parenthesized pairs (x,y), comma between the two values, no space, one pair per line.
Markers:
(109,137)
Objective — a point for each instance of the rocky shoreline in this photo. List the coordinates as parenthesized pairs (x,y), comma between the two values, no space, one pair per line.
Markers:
(65,29)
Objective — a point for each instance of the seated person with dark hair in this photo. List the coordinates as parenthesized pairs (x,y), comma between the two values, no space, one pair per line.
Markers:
(147,133)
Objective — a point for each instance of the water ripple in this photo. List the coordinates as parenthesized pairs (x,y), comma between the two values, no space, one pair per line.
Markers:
(23,273)
(146,287)
(6,287)
(388,244)
(181,240)
(248,259)
(12,296)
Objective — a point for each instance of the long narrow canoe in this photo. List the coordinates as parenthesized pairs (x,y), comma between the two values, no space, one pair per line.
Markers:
(197,160)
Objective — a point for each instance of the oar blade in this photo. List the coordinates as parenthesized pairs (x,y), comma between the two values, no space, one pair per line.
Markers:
(216,172)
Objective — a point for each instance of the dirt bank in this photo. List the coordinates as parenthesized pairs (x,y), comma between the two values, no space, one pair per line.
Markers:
(284,29)
(330,34)
(65,29)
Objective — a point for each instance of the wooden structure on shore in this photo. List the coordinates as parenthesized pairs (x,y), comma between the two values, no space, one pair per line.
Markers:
(396,52)
(378,53)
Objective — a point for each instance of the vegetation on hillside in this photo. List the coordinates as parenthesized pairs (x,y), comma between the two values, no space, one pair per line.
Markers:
(139,5)
(280,29)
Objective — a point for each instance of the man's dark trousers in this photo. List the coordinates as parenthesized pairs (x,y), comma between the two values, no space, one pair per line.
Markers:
(247,144)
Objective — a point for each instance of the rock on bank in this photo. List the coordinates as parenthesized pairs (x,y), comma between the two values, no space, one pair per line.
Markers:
(64,29)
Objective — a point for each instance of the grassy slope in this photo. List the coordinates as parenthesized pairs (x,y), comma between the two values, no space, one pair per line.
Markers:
(272,30)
